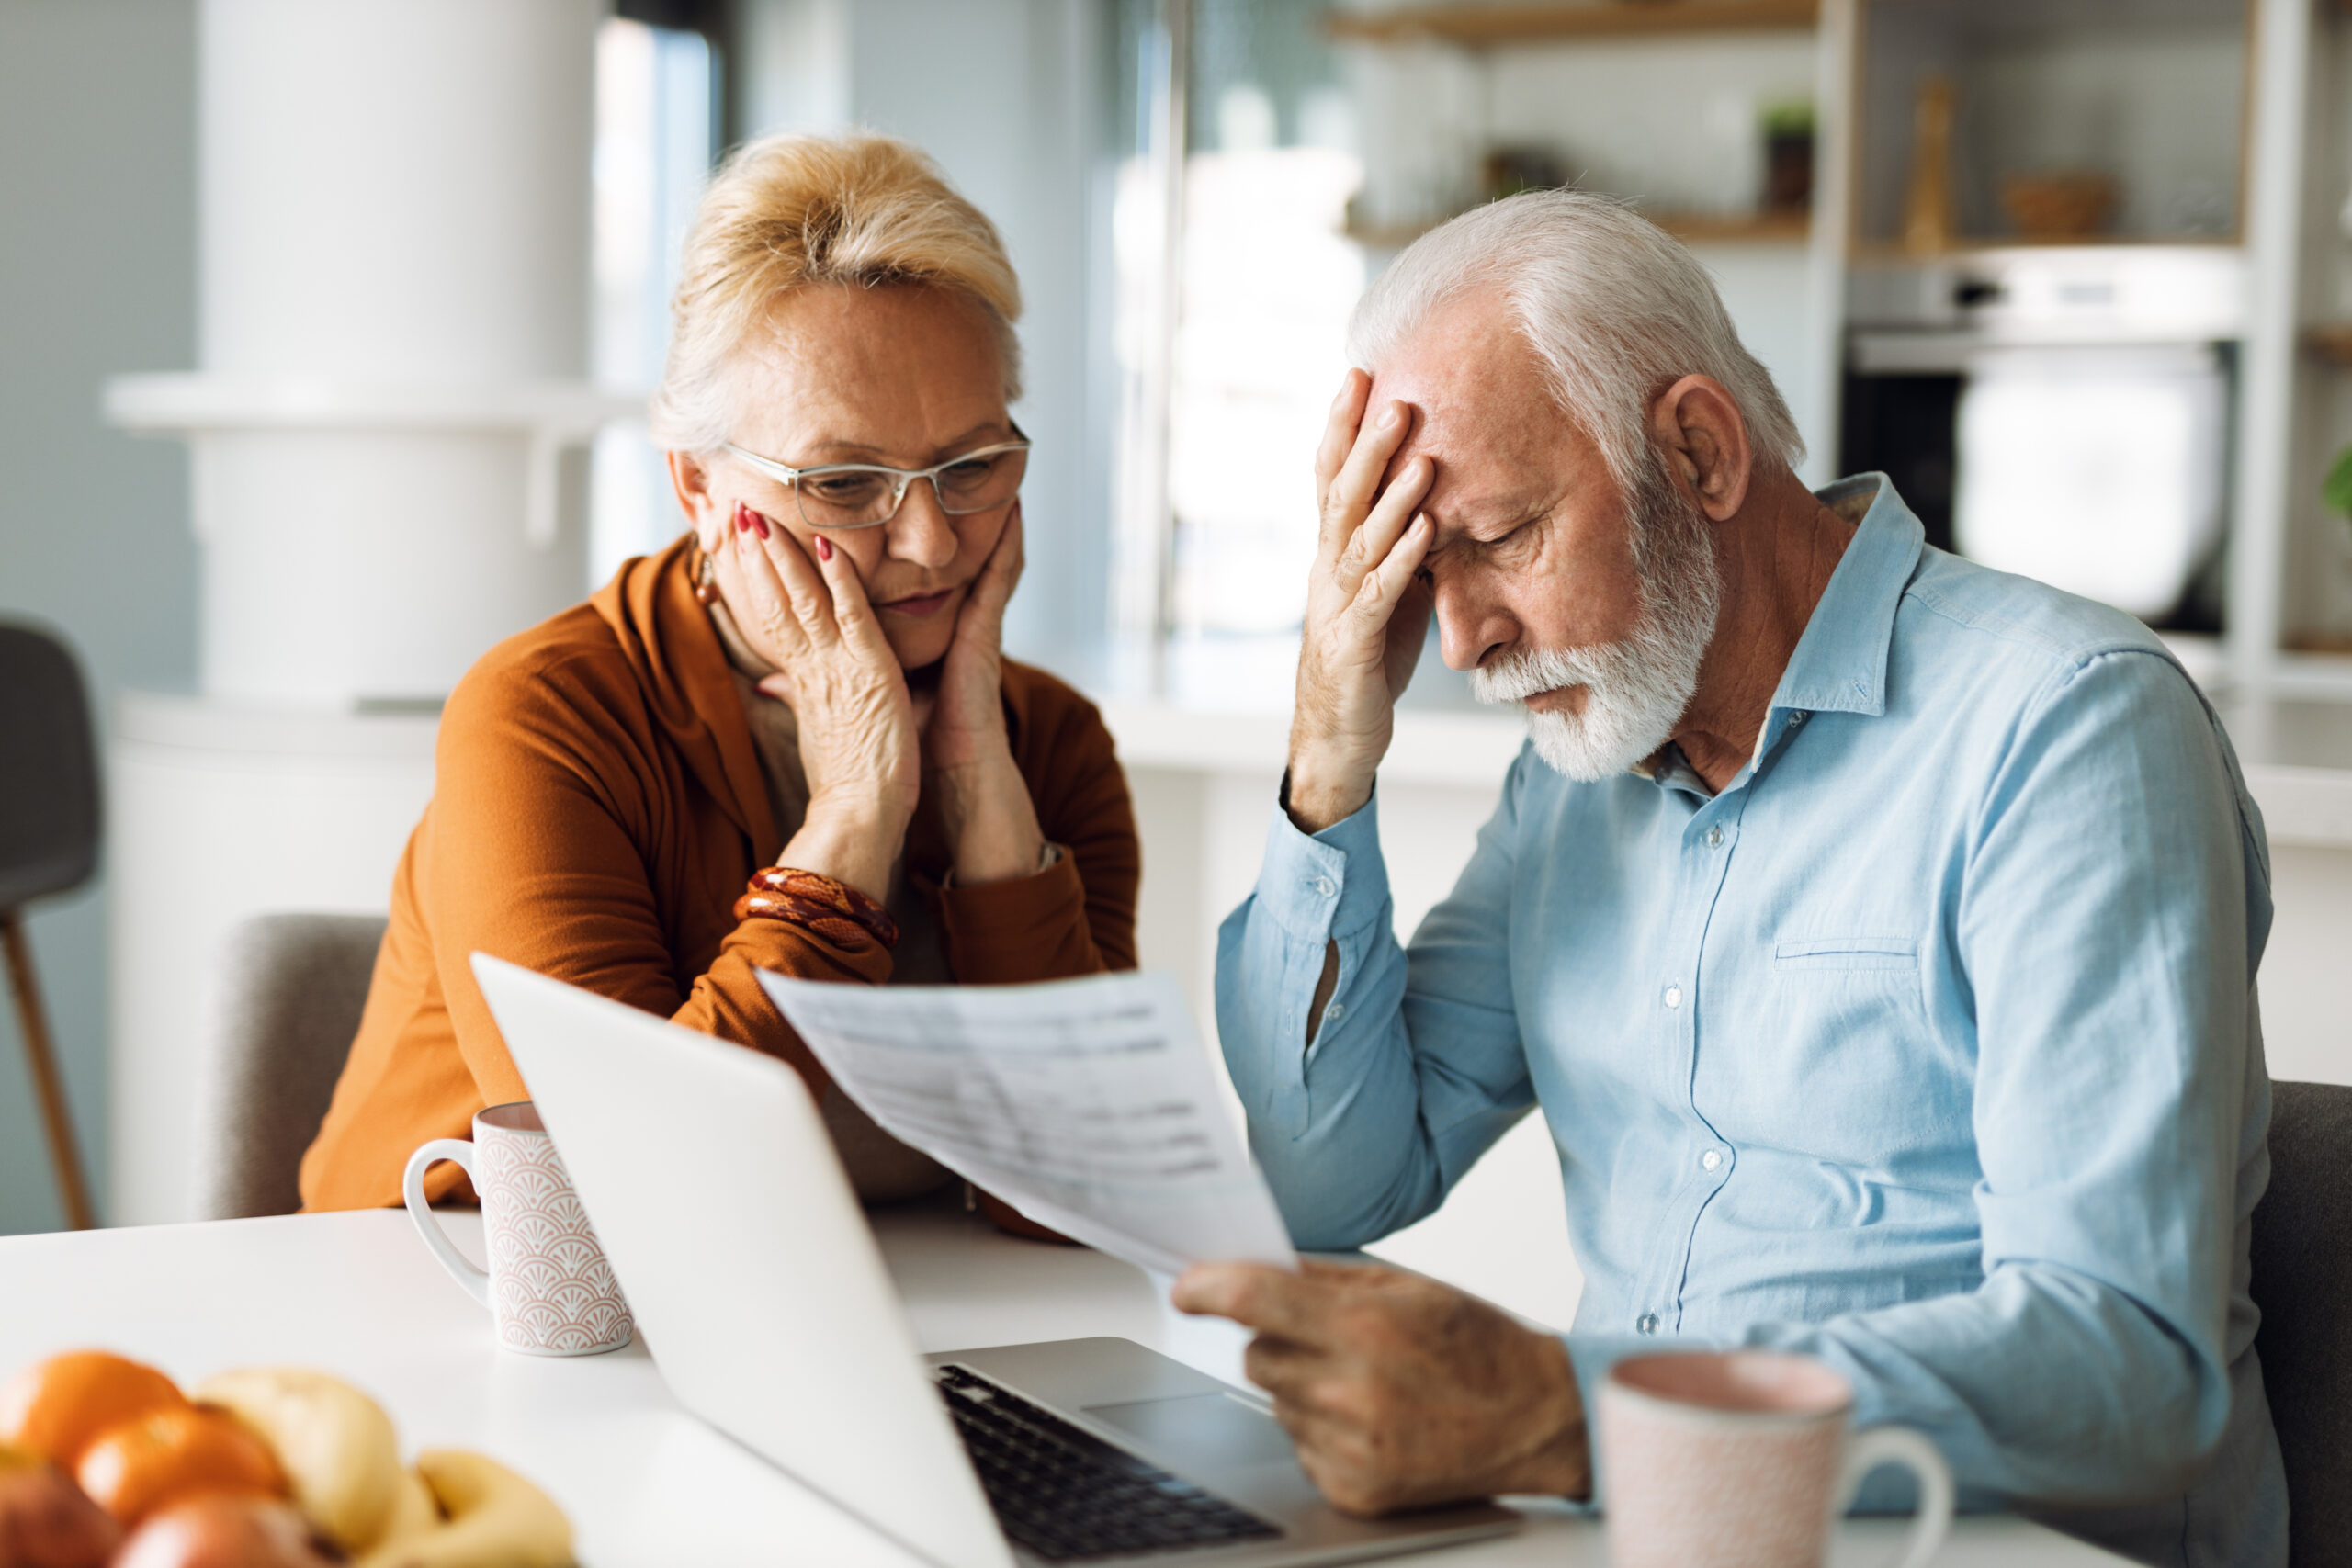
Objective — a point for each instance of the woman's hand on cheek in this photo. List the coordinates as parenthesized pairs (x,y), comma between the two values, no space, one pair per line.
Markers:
(858,744)
(968,724)
(983,799)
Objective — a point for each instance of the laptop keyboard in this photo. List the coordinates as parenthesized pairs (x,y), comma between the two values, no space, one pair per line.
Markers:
(1067,1495)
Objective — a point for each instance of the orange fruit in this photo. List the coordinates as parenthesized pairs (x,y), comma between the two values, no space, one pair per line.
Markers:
(55,1407)
(142,1465)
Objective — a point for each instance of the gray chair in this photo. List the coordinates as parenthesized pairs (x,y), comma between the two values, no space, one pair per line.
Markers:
(2303,1282)
(292,988)
(48,844)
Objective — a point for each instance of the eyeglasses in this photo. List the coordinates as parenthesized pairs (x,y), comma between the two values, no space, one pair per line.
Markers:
(867,495)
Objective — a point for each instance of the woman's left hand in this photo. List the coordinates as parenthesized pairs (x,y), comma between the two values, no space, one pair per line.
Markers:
(982,796)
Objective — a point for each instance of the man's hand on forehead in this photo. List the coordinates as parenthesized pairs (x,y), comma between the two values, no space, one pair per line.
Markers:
(1366,612)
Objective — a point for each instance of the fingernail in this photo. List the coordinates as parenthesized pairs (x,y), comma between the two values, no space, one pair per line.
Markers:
(759,523)
(824,548)
(742,517)
(1389,416)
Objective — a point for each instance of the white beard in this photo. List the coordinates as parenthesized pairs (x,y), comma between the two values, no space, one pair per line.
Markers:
(1637,689)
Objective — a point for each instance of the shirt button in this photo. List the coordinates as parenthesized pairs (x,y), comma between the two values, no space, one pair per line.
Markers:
(1646,1322)
(1797,717)
(1323,885)
(1674,996)
(1331,1014)
(1710,1160)
(1714,838)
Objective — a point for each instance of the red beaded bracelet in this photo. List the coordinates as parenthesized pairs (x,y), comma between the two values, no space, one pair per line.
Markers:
(818,904)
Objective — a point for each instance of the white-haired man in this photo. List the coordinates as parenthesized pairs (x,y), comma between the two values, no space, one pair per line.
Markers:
(1877,934)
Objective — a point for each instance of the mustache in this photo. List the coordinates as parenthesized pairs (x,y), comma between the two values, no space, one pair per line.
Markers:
(1516,677)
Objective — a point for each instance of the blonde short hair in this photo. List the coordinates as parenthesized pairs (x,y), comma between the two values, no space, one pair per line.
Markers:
(792,212)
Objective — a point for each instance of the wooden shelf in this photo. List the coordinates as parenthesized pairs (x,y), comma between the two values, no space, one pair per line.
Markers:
(2333,645)
(1753,228)
(1890,252)
(1484,27)
(1691,227)
(2332,344)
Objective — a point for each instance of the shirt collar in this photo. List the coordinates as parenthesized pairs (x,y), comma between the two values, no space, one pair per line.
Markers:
(1840,665)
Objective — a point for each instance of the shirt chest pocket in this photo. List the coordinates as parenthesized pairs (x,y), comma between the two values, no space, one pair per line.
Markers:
(1844,1010)
(1838,1039)
(1815,954)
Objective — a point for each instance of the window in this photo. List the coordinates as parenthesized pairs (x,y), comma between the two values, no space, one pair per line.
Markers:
(1231,318)
(654,145)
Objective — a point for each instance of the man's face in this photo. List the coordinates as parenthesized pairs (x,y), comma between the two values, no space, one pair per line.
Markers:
(1539,593)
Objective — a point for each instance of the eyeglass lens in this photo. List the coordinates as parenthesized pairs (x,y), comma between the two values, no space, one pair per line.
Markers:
(860,498)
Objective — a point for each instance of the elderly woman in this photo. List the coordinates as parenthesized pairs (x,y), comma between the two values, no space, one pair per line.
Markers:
(788,741)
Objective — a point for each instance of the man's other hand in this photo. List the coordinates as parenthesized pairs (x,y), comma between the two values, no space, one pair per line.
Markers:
(1399,1391)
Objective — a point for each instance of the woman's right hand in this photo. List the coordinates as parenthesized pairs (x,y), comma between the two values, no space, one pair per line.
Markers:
(859,741)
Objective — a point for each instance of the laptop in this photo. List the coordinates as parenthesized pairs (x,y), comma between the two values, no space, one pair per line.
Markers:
(763,1299)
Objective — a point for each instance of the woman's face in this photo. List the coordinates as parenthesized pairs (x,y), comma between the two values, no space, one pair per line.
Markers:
(903,376)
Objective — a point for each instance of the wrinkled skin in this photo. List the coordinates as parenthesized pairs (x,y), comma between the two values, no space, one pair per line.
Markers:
(1400,1391)
(887,640)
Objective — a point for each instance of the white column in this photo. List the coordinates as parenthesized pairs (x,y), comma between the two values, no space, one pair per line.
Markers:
(393,261)
(393,264)
(2280,84)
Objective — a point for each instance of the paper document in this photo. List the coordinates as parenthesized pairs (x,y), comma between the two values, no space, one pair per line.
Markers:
(1086,1105)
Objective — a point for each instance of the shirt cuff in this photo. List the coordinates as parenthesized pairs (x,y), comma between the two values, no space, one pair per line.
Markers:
(1328,885)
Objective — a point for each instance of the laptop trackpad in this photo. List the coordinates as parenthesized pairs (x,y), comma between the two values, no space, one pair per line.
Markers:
(1209,1428)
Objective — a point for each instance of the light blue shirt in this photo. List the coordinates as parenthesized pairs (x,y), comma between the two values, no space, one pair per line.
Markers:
(1927,1048)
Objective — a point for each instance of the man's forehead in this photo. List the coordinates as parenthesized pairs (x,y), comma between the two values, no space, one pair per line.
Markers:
(1481,406)
(1466,353)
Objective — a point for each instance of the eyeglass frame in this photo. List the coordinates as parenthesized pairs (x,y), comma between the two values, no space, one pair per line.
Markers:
(904,480)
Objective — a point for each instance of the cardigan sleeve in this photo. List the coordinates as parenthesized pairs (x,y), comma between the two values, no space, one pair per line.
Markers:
(1077,915)
(533,854)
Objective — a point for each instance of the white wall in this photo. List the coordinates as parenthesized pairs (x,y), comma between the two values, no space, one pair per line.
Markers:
(97,168)
(2306,1006)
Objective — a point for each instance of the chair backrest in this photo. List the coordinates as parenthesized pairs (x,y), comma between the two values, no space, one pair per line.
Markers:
(2303,1278)
(292,988)
(49,769)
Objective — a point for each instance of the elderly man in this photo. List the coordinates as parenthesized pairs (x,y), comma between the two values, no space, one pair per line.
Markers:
(1876,934)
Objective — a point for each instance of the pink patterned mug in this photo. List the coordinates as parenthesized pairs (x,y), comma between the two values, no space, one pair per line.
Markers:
(549,1289)
(1742,1458)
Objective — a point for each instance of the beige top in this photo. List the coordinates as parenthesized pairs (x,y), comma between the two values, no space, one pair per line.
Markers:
(881,1168)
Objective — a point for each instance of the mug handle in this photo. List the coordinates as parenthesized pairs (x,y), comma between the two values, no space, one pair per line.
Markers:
(461,1269)
(1898,1445)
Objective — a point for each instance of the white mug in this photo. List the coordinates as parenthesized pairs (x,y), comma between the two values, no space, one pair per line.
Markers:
(1744,1459)
(549,1291)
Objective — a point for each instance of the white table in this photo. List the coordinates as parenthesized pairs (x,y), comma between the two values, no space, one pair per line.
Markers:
(645,1482)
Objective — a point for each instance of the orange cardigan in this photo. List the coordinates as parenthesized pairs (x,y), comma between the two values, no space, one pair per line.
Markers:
(597,809)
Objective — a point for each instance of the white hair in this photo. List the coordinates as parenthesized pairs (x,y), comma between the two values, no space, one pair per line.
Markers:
(1614,308)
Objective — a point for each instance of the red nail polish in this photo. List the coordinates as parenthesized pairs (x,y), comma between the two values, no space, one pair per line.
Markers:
(759,523)
(742,517)
(824,548)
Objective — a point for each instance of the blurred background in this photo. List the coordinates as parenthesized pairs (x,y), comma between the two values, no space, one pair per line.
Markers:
(303,300)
